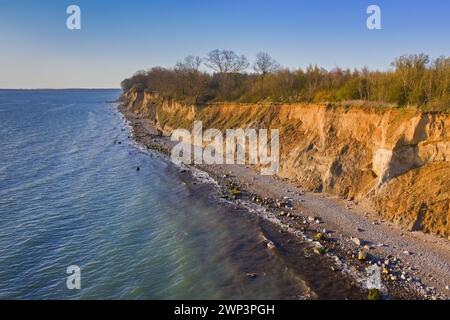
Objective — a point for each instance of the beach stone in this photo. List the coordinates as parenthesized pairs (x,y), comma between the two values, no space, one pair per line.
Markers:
(357,241)
(362,255)
(319,236)
(270,245)
(333,268)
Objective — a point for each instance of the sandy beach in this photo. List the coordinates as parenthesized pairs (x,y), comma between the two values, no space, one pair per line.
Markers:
(413,264)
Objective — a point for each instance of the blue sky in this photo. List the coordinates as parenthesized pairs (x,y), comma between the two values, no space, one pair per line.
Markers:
(120,37)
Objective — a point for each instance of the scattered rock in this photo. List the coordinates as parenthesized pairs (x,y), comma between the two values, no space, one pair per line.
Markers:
(251,275)
(333,268)
(357,241)
(270,245)
(362,255)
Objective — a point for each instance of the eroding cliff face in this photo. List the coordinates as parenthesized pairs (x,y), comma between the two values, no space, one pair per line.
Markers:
(397,161)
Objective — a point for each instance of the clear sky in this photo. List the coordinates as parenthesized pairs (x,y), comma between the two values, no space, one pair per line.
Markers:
(119,37)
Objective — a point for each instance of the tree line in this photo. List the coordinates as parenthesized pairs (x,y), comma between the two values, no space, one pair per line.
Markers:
(413,80)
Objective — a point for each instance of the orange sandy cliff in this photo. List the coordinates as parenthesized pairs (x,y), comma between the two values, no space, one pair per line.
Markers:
(397,161)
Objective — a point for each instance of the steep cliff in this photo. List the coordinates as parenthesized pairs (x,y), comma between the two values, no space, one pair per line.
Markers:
(398,161)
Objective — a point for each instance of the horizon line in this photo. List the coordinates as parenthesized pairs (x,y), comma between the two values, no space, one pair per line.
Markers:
(41,89)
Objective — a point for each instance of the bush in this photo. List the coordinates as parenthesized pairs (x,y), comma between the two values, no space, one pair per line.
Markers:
(235,192)
(415,80)
(374,294)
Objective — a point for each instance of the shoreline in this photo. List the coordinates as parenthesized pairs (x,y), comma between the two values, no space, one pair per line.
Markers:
(342,228)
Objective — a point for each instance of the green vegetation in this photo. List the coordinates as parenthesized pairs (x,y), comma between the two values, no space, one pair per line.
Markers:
(319,236)
(320,250)
(235,192)
(414,80)
(374,294)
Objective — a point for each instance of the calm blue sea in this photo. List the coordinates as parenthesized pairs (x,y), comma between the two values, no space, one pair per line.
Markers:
(70,195)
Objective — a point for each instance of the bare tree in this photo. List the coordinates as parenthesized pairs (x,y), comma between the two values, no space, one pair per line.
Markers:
(265,64)
(190,63)
(226,61)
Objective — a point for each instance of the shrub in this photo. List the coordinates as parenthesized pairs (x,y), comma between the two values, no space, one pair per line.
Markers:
(415,80)
(235,192)
(374,294)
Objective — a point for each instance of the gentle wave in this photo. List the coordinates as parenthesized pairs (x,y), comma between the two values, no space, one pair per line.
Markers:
(70,195)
